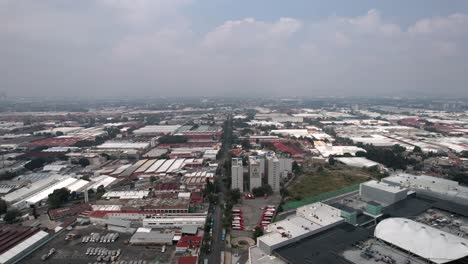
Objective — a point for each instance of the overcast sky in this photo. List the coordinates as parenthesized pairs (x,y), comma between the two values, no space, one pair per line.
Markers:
(154,48)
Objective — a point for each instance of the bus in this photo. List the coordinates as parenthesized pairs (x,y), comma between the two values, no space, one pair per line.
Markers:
(223,234)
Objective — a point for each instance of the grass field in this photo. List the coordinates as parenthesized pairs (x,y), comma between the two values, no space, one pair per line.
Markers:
(326,180)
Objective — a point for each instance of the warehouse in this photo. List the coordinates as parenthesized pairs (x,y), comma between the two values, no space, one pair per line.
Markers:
(422,240)
(145,236)
(382,192)
(40,190)
(126,195)
(72,184)
(156,130)
(17,242)
(102,180)
(30,189)
(309,220)
(124,145)
(175,222)
(359,162)
(431,186)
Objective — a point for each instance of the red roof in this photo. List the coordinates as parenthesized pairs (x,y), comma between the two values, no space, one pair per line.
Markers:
(236,152)
(11,236)
(189,242)
(187,260)
(54,142)
(196,198)
(68,211)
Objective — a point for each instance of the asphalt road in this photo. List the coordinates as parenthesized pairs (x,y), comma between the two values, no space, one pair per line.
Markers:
(217,245)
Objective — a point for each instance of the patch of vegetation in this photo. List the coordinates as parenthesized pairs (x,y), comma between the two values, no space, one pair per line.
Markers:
(261,191)
(326,180)
(58,197)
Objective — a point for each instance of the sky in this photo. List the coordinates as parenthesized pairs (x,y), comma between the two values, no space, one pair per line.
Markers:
(258,48)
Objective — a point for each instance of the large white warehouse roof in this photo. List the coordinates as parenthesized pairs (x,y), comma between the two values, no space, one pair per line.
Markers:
(425,241)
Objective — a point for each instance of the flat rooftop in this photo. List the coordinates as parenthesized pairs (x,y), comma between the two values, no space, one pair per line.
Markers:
(384,186)
(323,247)
(320,213)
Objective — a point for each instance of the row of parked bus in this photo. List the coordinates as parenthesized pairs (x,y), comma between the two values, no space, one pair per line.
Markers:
(267,216)
(237,221)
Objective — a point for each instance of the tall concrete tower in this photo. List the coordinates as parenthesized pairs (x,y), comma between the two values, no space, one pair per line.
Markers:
(237,174)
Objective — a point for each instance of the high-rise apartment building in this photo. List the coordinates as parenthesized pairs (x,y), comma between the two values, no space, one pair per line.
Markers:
(273,172)
(237,174)
(256,171)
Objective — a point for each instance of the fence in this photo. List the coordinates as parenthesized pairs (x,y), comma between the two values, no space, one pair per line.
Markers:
(320,197)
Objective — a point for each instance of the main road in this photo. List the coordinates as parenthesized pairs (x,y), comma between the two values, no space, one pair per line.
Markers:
(217,245)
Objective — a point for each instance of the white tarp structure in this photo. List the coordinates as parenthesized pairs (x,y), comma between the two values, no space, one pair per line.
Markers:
(420,239)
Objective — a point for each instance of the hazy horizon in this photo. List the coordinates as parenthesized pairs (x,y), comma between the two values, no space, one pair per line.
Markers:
(211,48)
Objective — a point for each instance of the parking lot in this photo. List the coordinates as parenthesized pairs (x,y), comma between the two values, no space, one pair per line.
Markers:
(378,252)
(445,221)
(252,213)
(74,251)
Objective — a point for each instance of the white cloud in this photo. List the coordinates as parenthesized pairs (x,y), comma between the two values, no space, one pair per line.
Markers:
(151,46)
(142,11)
(454,24)
(250,33)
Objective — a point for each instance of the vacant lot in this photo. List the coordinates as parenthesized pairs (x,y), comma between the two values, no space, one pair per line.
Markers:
(326,180)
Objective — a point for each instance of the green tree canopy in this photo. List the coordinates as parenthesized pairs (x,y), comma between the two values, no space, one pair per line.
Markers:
(11,216)
(58,197)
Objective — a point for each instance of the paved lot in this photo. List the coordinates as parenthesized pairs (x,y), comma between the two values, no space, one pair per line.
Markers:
(444,221)
(252,209)
(381,250)
(71,252)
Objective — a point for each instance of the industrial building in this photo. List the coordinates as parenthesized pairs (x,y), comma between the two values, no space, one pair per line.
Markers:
(237,174)
(174,222)
(431,186)
(17,242)
(256,171)
(146,236)
(359,162)
(156,130)
(37,192)
(381,192)
(309,220)
(125,195)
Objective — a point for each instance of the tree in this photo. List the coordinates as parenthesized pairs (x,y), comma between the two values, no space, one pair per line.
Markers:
(258,191)
(246,144)
(261,191)
(152,179)
(58,197)
(100,191)
(83,162)
(417,149)
(233,196)
(11,216)
(464,154)
(360,154)
(258,232)
(8,175)
(398,149)
(3,206)
(296,168)
(85,177)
